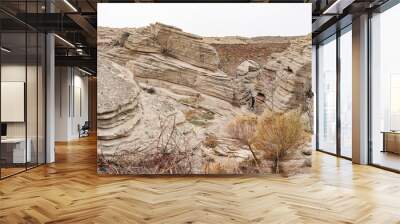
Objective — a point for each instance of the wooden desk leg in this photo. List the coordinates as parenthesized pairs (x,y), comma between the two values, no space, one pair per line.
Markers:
(384,142)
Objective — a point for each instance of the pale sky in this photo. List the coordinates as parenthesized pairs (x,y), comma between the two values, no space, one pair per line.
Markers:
(212,19)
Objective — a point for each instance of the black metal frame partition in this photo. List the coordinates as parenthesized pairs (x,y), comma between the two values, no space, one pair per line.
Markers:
(36,33)
(337,35)
(382,8)
(389,4)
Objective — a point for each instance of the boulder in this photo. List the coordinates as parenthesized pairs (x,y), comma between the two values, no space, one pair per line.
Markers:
(247,67)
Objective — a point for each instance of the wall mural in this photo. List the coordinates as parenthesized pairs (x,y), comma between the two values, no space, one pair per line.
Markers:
(172,102)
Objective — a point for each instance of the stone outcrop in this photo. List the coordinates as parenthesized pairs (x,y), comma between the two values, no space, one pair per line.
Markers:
(247,75)
(233,51)
(169,69)
(158,76)
(286,81)
(173,42)
(248,68)
(281,84)
(116,115)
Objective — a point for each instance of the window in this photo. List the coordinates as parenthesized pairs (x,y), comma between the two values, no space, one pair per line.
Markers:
(327,95)
(385,89)
(346,92)
(22,77)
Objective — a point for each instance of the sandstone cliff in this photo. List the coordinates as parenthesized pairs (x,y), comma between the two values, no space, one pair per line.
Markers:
(180,90)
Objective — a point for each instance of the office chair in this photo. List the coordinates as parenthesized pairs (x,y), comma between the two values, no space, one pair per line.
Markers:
(84,130)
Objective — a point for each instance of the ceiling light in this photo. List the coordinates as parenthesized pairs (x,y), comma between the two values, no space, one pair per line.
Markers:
(86,72)
(5,50)
(70,5)
(64,40)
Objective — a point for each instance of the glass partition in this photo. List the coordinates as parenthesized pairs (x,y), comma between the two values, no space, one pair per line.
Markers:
(22,77)
(346,92)
(385,89)
(327,95)
(14,153)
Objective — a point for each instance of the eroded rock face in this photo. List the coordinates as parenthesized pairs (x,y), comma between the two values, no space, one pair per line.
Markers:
(173,42)
(280,85)
(247,76)
(158,83)
(234,50)
(169,69)
(116,115)
(287,79)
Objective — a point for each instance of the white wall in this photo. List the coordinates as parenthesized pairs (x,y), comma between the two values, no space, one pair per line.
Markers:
(70,83)
(80,109)
(62,81)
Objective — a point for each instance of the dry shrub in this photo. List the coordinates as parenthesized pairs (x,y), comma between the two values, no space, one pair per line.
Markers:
(224,166)
(214,168)
(279,135)
(172,152)
(211,141)
(173,162)
(243,128)
(248,166)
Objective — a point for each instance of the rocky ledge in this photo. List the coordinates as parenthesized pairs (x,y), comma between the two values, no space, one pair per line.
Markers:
(160,88)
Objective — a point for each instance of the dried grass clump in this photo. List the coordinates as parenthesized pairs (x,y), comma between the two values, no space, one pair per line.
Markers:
(279,135)
(225,166)
(211,141)
(243,128)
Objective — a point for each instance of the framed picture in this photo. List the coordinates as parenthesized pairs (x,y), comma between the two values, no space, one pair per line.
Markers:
(204,88)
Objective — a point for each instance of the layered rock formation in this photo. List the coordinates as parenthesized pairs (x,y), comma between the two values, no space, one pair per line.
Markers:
(233,51)
(161,88)
(173,42)
(116,116)
(172,70)
(287,80)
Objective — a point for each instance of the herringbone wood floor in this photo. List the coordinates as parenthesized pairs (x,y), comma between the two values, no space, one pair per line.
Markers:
(70,191)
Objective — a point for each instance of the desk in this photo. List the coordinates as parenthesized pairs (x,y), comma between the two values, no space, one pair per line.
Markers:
(391,141)
(16,147)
